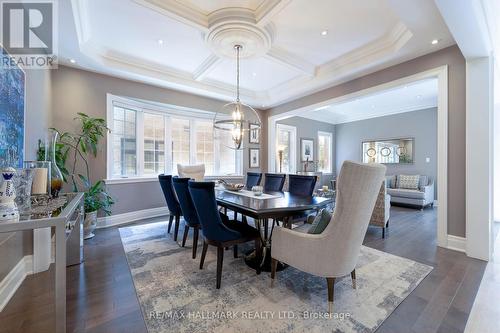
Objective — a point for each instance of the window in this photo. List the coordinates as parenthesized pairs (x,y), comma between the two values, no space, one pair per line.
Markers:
(286,140)
(147,140)
(325,152)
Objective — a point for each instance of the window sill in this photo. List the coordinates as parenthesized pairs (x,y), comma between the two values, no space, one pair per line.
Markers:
(130,180)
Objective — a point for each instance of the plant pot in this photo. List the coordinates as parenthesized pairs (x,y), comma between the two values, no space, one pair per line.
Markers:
(89,225)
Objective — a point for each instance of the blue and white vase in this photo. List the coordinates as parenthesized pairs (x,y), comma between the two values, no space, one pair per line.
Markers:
(8,207)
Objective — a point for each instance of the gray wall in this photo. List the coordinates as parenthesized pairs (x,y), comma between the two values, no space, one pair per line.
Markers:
(421,125)
(76,90)
(14,246)
(308,128)
(455,61)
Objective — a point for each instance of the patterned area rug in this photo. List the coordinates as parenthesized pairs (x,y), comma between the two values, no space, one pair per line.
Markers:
(176,296)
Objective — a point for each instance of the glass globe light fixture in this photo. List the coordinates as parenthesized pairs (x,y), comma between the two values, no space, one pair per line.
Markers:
(236,118)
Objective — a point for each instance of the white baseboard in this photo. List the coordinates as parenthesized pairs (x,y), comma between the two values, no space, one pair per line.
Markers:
(118,219)
(13,280)
(456,243)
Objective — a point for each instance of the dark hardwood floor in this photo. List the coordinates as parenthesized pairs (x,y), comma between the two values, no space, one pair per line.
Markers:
(101,294)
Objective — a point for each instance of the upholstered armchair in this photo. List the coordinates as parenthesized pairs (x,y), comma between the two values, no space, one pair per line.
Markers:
(334,253)
(382,210)
(196,172)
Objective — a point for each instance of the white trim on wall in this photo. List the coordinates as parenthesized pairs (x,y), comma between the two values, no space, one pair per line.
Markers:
(119,219)
(293,145)
(13,280)
(456,243)
(441,73)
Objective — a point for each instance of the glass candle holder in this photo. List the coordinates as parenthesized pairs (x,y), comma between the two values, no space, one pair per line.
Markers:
(41,176)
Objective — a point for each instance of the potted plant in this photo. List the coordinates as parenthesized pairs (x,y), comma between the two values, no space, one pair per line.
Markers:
(96,198)
(79,146)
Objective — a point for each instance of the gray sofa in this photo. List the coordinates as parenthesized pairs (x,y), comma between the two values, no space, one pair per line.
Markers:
(420,198)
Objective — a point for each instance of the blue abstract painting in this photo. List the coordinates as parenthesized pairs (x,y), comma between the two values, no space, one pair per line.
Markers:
(11,115)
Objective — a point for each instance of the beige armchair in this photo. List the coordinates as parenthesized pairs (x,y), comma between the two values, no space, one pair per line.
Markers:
(334,253)
(382,210)
(196,172)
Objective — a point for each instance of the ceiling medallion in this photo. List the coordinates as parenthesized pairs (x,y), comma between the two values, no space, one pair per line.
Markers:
(236,26)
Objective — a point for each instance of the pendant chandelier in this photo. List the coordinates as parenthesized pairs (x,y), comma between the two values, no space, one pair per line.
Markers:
(236,118)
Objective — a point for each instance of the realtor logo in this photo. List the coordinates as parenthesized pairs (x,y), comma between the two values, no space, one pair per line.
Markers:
(28,33)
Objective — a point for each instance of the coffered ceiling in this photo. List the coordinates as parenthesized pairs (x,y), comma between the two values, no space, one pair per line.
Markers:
(291,48)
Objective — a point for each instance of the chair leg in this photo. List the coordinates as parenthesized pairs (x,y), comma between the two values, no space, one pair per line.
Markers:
(383,232)
(170,219)
(387,224)
(235,251)
(353,278)
(331,286)
(220,258)
(176,226)
(186,231)
(258,254)
(274,265)
(195,241)
(203,254)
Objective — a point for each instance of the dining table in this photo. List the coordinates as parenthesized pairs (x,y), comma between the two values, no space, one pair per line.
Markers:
(269,206)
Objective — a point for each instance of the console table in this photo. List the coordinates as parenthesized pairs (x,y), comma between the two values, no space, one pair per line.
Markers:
(66,220)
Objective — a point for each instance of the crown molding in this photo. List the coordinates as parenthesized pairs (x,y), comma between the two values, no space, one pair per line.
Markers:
(178,11)
(309,79)
(268,9)
(206,67)
(283,57)
(342,119)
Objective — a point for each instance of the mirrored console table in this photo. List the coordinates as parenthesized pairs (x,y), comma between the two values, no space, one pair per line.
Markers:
(65,216)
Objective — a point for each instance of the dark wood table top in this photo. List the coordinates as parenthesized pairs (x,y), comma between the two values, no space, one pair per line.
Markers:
(286,205)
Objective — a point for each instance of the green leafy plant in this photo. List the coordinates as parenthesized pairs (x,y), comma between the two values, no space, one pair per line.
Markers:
(62,153)
(96,198)
(78,147)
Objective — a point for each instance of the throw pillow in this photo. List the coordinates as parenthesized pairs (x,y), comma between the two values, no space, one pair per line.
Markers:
(409,182)
(320,222)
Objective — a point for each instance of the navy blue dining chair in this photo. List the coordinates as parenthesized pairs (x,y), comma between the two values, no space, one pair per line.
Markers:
(274,182)
(301,185)
(188,211)
(253,179)
(172,202)
(215,232)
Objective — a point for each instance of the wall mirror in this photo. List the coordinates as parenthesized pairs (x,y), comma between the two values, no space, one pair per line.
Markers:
(393,151)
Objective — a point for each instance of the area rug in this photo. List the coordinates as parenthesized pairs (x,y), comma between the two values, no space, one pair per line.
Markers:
(176,296)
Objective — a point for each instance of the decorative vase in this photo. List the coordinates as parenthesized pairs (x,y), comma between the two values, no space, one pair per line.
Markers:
(23,181)
(89,225)
(56,178)
(8,207)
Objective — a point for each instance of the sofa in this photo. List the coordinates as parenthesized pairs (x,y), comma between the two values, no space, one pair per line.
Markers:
(420,198)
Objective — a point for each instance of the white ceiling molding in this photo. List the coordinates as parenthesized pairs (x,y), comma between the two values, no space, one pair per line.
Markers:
(294,73)
(288,59)
(177,10)
(82,23)
(268,9)
(171,75)
(391,42)
(208,65)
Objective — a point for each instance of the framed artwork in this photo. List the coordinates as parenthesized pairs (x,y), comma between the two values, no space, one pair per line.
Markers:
(306,149)
(254,157)
(253,137)
(12,102)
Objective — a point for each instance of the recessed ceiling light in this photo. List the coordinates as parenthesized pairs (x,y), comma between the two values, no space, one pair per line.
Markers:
(73,61)
(324,32)
(373,106)
(254,74)
(160,42)
(419,96)
(434,41)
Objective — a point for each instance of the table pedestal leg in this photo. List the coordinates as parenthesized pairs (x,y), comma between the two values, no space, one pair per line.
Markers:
(60,279)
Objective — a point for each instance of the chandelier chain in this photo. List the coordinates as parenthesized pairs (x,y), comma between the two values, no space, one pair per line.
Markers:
(238,47)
